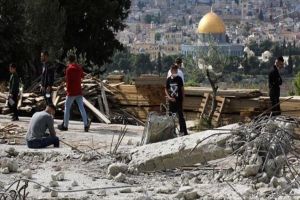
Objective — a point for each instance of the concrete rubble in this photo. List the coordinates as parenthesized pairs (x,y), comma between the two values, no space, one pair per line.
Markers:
(174,153)
(227,163)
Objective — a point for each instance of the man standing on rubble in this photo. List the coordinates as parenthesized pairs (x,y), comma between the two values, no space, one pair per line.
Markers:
(175,93)
(14,84)
(274,85)
(36,135)
(74,74)
(47,77)
(178,63)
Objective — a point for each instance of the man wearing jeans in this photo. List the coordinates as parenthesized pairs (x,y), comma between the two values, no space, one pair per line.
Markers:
(36,135)
(74,74)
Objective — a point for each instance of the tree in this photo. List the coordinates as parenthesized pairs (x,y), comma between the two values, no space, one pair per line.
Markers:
(91,27)
(157,36)
(261,16)
(167,61)
(289,67)
(11,34)
(142,64)
(121,61)
(45,28)
(213,62)
(159,64)
(297,83)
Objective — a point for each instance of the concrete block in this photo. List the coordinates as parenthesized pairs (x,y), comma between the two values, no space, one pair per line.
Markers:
(170,154)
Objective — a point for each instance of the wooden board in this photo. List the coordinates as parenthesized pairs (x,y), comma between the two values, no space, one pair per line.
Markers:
(96,112)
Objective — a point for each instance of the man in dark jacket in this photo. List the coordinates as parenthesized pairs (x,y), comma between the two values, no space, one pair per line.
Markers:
(14,83)
(274,85)
(47,77)
(174,91)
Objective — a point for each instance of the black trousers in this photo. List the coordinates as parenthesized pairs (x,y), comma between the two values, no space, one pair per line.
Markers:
(47,100)
(14,108)
(43,142)
(176,107)
(274,97)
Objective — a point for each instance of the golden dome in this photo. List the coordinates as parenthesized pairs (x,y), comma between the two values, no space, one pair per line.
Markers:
(211,23)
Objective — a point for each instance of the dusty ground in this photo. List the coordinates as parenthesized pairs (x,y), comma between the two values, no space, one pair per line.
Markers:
(90,170)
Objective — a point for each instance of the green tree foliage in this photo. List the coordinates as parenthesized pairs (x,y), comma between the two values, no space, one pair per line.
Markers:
(11,33)
(45,27)
(142,64)
(213,62)
(152,18)
(29,26)
(193,75)
(167,61)
(91,26)
(261,15)
(297,83)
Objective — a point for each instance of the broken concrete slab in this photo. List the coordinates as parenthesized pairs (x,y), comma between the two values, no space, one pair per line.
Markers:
(170,154)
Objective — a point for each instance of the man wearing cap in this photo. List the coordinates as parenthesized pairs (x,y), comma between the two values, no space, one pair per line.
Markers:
(36,135)
(274,85)
(178,63)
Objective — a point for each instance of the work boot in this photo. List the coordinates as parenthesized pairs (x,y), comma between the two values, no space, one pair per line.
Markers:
(87,128)
(62,127)
(15,119)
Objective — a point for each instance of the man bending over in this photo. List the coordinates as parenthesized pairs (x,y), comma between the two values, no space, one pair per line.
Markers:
(36,135)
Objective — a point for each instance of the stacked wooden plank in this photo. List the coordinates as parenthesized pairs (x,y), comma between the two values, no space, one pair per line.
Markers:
(94,91)
(148,94)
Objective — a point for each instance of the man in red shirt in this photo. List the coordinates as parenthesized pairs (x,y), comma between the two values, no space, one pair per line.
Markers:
(74,74)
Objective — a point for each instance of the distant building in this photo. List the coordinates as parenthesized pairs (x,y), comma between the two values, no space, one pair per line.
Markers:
(211,28)
(154,50)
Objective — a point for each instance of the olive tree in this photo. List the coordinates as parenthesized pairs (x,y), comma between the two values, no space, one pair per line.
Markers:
(212,61)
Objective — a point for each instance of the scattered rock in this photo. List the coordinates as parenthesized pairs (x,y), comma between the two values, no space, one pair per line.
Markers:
(143,198)
(27,173)
(274,182)
(53,184)
(11,152)
(5,170)
(11,164)
(126,190)
(139,190)
(58,177)
(191,195)
(263,178)
(185,189)
(54,193)
(251,170)
(115,168)
(129,142)
(120,178)
(74,184)
(57,168)
(282,182)
(102,193)
(89,192)
(44,190)
(165,190)
(36,186)
(86,157)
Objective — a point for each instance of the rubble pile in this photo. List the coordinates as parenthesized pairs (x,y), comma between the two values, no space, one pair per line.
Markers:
(12,134)
(265,153)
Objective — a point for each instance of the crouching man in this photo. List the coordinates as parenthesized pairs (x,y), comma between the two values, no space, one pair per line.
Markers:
(36,135)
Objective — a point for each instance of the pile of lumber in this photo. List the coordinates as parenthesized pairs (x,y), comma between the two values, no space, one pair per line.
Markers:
(12,134)
(95,92)
(148,94)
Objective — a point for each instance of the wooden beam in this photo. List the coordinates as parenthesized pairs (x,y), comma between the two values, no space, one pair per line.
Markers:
(104,100)
(100,104)
(96,112)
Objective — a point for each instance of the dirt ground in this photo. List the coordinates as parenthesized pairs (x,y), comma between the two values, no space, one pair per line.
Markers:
(90,170)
